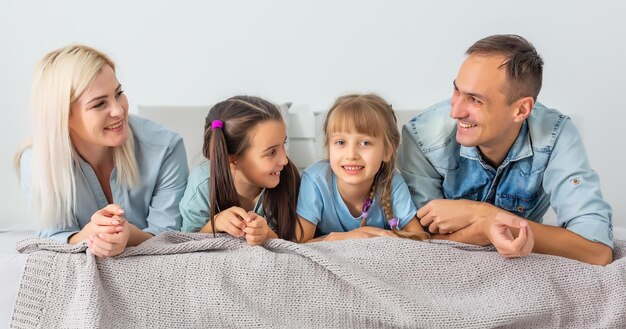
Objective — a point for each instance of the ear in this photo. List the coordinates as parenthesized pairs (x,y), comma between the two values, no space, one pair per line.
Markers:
(387,156)
(232,159)
(523,107)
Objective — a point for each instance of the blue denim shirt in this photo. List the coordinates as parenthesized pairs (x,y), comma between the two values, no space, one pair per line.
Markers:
(151,205)
(546,166)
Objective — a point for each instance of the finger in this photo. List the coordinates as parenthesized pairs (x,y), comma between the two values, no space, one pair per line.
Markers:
(111,210)
(116,238)
(239,212)
(118,220)
(100,219)
(433,228)
(102,244)
(423,212)
(233,230)
(250,216)
(107,229)
(237,222)
(508,220)
(97,250)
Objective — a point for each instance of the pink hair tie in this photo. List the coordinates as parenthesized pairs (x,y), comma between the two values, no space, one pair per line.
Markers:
(217,124)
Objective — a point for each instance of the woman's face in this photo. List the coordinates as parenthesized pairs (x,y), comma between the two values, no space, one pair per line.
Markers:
(99,117)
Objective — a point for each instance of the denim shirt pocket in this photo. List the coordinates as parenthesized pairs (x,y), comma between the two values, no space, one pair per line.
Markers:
(519,205)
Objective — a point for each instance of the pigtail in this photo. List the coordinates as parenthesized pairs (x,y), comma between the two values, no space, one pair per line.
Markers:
(387,172)
(280,202)
(222,191)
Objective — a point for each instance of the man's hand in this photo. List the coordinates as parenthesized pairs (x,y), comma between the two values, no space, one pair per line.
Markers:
(448,216)
(498,231)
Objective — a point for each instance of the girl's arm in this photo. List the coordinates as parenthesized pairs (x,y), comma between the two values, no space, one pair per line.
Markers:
(414,226)
(307,233)
(360,233)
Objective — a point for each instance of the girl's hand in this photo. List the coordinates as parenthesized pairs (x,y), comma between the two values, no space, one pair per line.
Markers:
(375,231)
(230,221)
(108,245)
(257,230)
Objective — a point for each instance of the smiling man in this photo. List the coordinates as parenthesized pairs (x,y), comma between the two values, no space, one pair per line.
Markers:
(481,163)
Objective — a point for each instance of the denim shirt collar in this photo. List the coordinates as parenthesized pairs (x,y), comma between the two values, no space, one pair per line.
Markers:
(522,148)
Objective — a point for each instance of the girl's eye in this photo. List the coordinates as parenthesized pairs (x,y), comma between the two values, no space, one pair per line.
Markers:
(119,93)
(339,142)
(99,105)
(366,143)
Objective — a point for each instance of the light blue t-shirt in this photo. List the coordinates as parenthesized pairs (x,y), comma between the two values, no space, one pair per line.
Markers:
(151,205)
(320,203)
(194,207)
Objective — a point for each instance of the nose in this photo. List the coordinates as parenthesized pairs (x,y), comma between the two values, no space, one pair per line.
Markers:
(351,152)
(457,107)
(283,157)
(117,109)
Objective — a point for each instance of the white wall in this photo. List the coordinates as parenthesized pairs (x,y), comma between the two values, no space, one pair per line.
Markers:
(197,52)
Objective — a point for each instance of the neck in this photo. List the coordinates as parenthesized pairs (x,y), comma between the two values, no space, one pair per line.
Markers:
(495,153)
(100,158)
(245,190)
(354,195)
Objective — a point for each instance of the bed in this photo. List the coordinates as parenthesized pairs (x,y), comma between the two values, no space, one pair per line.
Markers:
(195,280)
(180,280)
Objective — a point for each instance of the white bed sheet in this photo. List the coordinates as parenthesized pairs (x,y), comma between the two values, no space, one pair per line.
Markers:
(11,268)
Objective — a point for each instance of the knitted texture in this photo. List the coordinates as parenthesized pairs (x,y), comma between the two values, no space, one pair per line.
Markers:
(187,280)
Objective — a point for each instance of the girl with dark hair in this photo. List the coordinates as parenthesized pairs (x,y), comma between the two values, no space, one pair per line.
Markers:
(249,187)
(357,193)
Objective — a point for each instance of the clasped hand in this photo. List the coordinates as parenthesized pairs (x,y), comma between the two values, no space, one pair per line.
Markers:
(239,223)
(108,232)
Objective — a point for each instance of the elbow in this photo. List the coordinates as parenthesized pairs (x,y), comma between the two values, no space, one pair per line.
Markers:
(602,256)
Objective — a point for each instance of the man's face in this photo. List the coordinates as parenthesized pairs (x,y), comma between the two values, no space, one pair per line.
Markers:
(479,105)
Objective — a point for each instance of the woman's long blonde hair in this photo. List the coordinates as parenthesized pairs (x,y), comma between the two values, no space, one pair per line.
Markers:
(59,80)
(370,115)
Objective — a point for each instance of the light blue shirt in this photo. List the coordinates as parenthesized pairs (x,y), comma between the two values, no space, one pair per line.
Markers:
(320,203)
(151,205)
(194,207)
(546,166)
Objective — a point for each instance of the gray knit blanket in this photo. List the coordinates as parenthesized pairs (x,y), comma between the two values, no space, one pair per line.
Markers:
(179,280)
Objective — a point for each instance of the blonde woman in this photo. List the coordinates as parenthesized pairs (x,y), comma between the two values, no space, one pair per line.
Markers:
(93,172)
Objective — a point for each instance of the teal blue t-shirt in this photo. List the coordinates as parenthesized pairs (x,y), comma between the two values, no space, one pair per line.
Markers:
(320,203)
(194,207)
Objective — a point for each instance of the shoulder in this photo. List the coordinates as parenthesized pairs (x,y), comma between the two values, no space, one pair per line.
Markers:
(199,177)
(545,125)
(147,132)
(318,170)
(433,128)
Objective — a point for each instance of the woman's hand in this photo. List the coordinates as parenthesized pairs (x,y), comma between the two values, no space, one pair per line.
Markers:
(109,244)
(107,220)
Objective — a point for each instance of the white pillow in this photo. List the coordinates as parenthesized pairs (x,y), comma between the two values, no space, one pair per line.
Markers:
(188,121)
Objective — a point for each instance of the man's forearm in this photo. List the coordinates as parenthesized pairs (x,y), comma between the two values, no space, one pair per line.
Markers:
(558,241)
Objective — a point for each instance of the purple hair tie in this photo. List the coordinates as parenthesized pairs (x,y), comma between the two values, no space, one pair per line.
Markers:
(217,124)
(394,223)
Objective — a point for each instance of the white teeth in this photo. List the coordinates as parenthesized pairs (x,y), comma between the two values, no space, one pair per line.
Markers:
(353,168)
(466,125)
(114,126)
